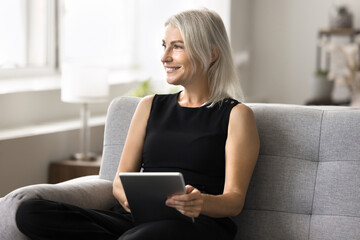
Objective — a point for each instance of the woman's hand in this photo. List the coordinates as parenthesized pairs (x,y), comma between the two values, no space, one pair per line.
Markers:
(189,204)
(127,206)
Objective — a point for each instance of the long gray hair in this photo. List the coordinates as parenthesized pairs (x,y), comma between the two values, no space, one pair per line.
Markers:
(204,36)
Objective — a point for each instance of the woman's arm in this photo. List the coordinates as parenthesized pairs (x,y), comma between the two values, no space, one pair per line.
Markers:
(241,152)
(130,160)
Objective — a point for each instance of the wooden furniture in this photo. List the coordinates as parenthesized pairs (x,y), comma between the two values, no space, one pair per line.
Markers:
(69,169)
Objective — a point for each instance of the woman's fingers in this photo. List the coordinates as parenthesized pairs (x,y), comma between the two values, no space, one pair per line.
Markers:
(189,204)
(127,206)
(190,210)
(189,189)
(185,205)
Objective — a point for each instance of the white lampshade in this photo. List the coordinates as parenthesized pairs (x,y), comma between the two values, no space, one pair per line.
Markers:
(82,83)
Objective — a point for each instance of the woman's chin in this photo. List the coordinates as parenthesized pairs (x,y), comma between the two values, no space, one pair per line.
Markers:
(172,81)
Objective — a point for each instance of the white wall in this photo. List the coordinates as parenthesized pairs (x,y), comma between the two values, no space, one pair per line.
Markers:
(25,161)
(283,46)
(240,40)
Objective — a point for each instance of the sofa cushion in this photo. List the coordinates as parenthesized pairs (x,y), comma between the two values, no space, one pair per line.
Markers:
(288,130)
(336,208)
(258,225)
(280,195)
(325,227)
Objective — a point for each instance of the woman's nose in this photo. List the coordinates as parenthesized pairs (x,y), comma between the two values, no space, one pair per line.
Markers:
(166,56)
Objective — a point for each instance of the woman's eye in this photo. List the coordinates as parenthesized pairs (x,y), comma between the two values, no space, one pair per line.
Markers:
(178,47)
(163,45)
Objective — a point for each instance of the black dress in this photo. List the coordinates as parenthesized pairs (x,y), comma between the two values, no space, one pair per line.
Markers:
(178,139)
(188,140)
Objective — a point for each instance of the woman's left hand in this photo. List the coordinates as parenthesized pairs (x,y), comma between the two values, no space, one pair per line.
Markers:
(189,204)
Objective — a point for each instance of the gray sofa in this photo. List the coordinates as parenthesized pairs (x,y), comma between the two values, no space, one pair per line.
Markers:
(306,184)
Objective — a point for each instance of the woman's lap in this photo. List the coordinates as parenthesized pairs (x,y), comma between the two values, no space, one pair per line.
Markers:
(203,228)
(42,219)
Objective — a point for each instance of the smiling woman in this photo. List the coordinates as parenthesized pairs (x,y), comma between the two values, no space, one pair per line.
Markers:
(213,145)
(207,61)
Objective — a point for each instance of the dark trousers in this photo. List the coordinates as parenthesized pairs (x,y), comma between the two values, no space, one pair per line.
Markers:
(43,219)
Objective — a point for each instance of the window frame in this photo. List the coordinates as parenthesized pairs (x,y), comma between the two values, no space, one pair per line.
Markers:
(52,31)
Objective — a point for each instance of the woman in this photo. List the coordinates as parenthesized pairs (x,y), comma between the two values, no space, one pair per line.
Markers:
(202,132)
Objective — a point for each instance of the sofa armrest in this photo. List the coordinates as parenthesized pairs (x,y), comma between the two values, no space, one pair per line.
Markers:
(86,192)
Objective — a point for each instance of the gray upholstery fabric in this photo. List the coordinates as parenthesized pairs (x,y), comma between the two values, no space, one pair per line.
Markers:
(325,227)
(340,136)
(306,184)
(336,208)
(255,225)
(288,130)
(118,120)
(337,189)
(282,184)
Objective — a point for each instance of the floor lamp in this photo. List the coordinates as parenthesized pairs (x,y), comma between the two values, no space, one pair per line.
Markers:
(84,84)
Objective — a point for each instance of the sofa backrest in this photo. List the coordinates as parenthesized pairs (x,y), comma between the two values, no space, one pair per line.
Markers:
(118,120)
(306,184)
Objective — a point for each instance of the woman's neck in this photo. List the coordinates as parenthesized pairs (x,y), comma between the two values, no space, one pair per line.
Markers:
(196,91)
(193,97)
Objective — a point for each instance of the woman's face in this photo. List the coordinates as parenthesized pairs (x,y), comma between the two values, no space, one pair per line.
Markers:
(175,59)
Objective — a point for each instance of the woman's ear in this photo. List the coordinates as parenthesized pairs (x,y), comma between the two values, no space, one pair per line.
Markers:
(214,54)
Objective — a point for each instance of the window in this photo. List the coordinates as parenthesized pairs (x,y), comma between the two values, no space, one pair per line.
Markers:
(37,35)
(27,33)
(100,29)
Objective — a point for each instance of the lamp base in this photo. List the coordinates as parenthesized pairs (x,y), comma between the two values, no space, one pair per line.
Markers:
(85,157)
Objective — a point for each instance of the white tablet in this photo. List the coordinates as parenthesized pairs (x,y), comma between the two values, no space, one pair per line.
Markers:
(147,192)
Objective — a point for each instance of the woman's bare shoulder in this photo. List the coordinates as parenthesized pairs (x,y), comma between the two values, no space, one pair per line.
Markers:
(147,100)
(242,112)
(145,104)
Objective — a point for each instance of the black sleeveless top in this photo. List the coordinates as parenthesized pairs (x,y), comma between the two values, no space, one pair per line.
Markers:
(188,140)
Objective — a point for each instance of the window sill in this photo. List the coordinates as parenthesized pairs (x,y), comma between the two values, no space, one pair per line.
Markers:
(48,128)
(52,82)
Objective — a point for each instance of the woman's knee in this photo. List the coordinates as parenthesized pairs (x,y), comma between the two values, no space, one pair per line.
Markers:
(28,215)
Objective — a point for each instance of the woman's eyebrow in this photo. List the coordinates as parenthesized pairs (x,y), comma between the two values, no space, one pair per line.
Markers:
(173,42)
(176,41)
